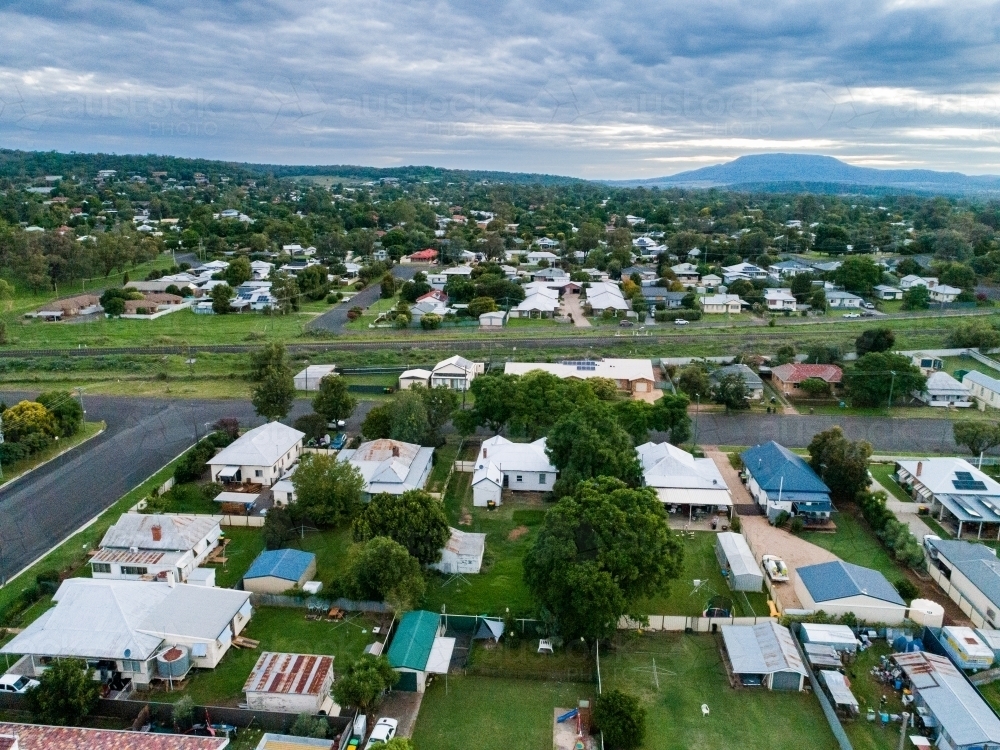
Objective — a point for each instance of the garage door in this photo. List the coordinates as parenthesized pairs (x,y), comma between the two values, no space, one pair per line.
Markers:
(407,681)
(785,681)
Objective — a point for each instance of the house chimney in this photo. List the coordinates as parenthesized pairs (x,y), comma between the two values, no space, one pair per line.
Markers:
(157,532)
(395,451)
(484,453)
(920,467)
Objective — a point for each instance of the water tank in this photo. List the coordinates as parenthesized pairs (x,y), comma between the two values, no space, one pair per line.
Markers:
(173,662)
(927,612)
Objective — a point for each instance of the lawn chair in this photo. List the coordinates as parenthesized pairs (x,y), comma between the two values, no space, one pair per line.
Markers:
(545,646)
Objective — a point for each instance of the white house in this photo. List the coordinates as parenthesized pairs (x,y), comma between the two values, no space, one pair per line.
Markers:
(462,554)
(912,280)
(541,303)
(787,269)
(410,378)
(779,299)
(258,456)
(717,304)
(120,627)
(886,292)
(456,373)
(291,684)
(283,491)
(686,273)
(944,293)
(633,376)
(838,587)
(943,390)
(537,256)
(984,389)
(681,480)
(390,466)
(970,575)
(308,378)
(959,494)
(520,467)
(605,295)
(155,546)
(743,271)
(711,281)
(840,299)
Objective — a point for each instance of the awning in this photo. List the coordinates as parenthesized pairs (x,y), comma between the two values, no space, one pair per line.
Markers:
(440,658)
(229,472)
(693,496)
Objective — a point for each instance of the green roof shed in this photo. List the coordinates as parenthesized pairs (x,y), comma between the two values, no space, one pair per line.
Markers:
(414,639)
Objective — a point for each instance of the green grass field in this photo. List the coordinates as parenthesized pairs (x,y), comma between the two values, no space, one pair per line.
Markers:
(883,475)
(855,543)
(675,674)
(277,629)
(700,563)
(493,714)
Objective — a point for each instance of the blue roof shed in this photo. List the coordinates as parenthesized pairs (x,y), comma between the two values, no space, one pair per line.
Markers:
(291,566)
(837,579)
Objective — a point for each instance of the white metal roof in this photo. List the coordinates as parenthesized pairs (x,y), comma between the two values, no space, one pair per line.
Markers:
(261,446)
(616,369)
(112,619)
(738,555)
(440,656)
(465,543)
(939,475)
(764,648)
(389,465)
(508,457)
(991,384)
(176,533)
(666,465)
(941,383)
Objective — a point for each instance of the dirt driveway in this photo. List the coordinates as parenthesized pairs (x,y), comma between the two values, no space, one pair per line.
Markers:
(571,306)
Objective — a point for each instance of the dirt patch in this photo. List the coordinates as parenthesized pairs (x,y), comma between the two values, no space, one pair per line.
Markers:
(517,533)
(465,519)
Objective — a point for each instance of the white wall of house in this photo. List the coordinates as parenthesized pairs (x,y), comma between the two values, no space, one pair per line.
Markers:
(485,492)
(865,608)
(266,475)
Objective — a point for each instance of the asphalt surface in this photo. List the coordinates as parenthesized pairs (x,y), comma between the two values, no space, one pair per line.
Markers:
(43,508)
(334,320)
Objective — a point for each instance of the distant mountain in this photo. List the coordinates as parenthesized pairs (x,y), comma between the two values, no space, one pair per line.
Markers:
(800,172)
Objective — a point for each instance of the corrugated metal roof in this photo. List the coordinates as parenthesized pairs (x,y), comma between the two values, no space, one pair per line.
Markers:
(838,688)
(738,555)
(976,562)
(33,737)
(764,648)
(261,446)
(176,533)
(837,579)
(290,674)
(777,469)
(414,639)
(955,703)
(286,564)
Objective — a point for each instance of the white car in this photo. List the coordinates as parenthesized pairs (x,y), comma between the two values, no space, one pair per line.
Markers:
(385,730)
(852,315)
(681,322)
(16,683)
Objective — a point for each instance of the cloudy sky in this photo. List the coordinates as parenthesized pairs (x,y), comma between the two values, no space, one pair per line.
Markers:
(591,89)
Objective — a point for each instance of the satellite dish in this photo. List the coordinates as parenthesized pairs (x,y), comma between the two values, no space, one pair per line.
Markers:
(128,653)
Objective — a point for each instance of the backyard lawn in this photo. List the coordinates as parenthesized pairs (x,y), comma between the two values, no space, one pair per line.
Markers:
(675,674)
(277,629)
(883,475)
(855,543)
(700,563)
(509,530)
(493,714)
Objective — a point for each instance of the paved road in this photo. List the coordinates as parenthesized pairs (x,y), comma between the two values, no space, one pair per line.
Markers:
(334,320)
(902,435)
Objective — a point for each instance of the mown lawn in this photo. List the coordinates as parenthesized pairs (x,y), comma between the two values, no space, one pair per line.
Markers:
(278,629)
(883,475)
(855,543)
(700,563)
(675,674)
(493,714)
(509,529)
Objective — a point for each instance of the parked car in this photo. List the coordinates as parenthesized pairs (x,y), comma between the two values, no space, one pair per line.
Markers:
(16,683)
(338,425)
(852,315)
(385,730)
(869,306)
(625,323)
(339,442)
(681,322)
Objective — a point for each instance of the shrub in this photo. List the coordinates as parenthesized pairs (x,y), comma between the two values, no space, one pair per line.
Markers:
(621,718)
(430,322)
(797,525)
(782,518)
(907,589)
(354,313)
(735,524)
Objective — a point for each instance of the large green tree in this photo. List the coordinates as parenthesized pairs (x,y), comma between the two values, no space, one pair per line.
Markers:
(732,392)
(880,339)
(66,409)
(333,401)
(599,553)
(67,693)
(858,274)
(589,442)
(267,357)
(841,463)
(364,681)
(917,298)
(414,519)
(877,375)
(273,396)
(382,570)
(221,295)
(621,717)
(440,404)
(238,272)
(493,404)
(978,437)
(327,490)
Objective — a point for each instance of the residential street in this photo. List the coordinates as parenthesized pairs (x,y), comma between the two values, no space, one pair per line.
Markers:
(334,320)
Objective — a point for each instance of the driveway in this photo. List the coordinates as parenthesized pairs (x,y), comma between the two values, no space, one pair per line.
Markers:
(571,306)
(334,320)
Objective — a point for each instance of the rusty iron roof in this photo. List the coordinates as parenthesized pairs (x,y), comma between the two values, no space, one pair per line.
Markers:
(33,737)
(291,674)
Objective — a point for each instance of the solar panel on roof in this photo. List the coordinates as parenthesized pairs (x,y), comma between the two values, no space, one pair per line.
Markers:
(963,476)
(969,485)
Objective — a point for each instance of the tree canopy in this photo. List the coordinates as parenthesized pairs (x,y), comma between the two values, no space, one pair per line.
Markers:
(600,551)
(381,569)
(841,463)
(877,374)
(414,519)
(880,339)
(364,681)
(327,490)
(67,693)
(588,442)
(333,401)
(978,437)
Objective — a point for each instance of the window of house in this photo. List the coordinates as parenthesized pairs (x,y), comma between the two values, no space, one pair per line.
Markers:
(258,473)
(133,570)
(101,567)
(541,479)
(519,478)
(131,665)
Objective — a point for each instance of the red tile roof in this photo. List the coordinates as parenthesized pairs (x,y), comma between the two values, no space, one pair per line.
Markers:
(796,373)
(428,254)
(32,737)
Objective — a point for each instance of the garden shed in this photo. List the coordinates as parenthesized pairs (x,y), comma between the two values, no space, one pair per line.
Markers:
(463,553)
(738,563)
(838,637)
(276,571)
(764,655)
(418,650)
(837,687)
